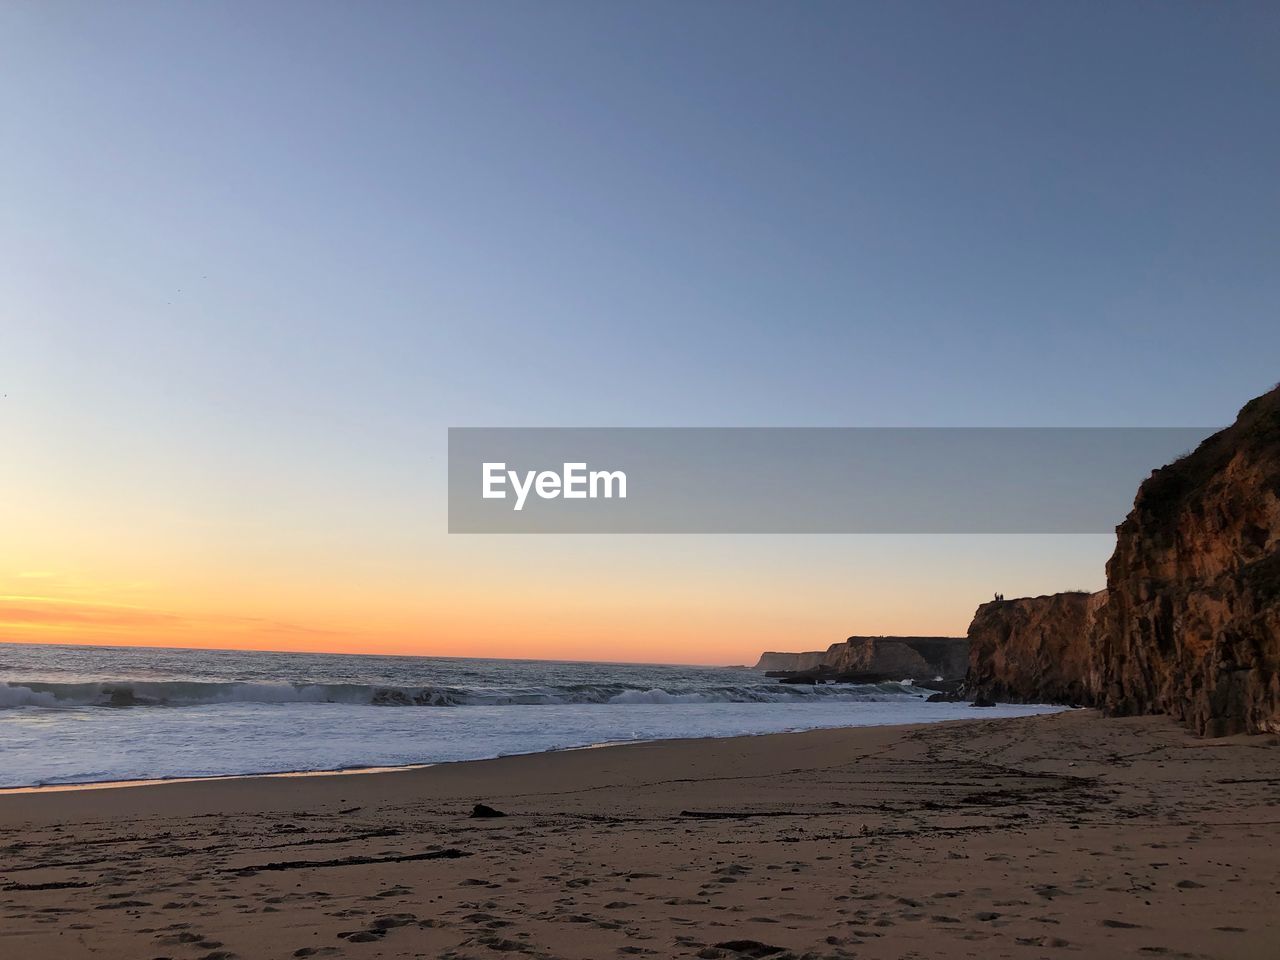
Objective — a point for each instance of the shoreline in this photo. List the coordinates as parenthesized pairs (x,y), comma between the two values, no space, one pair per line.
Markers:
(401,767)
(163,781)
(363,770)
(1064,831)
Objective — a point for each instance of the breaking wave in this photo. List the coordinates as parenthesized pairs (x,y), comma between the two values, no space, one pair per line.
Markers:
(183,693)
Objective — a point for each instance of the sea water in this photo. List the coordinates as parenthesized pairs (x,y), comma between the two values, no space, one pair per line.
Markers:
(75,714)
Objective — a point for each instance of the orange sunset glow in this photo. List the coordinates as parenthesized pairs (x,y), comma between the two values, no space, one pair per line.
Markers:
(561,598)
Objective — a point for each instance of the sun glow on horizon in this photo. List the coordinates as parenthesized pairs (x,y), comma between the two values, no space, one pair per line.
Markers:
(705,601)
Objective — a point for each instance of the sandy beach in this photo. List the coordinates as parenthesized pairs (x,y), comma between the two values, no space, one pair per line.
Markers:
(1031,837)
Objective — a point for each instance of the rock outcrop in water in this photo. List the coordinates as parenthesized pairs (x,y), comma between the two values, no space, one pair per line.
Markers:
(1189,624)
(1035,649)
(898,657)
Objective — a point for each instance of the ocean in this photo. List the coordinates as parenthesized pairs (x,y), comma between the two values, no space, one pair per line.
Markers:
(76,714)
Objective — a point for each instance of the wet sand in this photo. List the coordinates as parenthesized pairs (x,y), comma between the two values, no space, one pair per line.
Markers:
(1046,836)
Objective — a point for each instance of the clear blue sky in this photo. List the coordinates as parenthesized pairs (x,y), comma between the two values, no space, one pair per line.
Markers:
(265,253)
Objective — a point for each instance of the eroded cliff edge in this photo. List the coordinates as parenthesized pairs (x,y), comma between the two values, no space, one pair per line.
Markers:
(1035,649)
(902,657)
(1189,624)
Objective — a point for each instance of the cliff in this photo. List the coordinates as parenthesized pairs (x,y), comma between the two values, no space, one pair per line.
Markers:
(790,662)
(1189,624)
(1192,624)
(902,657)
(1035,649)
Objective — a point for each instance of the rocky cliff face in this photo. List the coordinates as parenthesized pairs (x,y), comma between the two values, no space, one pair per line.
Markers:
(919,657)
(791,662)
(902,657)
(1035,649)
(1189,624)
(1192,624)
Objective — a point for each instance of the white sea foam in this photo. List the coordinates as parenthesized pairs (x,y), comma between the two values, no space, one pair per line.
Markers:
(186,693)
(18,696)
(75,714)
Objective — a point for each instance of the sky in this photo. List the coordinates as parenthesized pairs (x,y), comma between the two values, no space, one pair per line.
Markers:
(257,258)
